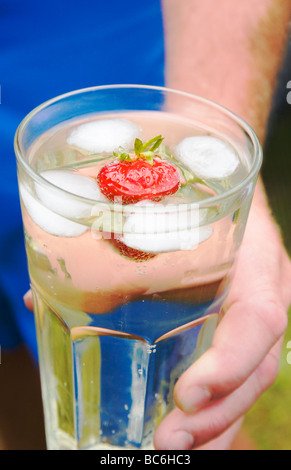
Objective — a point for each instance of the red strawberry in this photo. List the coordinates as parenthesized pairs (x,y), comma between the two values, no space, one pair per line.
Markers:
(135,177)
(132,253)
(137,180)
(139,175)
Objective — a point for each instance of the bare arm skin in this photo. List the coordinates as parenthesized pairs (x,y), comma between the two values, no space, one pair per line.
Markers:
(227,51)
(231,52)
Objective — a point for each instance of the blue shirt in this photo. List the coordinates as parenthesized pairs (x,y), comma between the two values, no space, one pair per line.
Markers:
(46,49)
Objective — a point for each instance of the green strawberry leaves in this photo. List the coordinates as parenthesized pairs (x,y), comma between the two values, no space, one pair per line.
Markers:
(144,150)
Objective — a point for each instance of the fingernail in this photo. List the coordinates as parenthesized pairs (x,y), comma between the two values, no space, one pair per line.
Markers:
(26,296)
(180,440)
(191,399)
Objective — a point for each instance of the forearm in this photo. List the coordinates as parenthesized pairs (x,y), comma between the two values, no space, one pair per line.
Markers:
(228,51)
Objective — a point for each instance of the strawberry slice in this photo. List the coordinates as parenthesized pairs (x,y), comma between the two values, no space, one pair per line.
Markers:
(139,175)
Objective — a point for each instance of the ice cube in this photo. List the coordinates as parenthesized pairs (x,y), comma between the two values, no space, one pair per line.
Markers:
(207,157)
(63,203)
(163,243)
(104,135)
(162,228)
(49,221)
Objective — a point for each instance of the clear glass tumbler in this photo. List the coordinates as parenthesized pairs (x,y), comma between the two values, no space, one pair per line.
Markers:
(116,324)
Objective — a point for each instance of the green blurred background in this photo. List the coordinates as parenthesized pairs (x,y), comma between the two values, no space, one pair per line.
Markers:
(268,422)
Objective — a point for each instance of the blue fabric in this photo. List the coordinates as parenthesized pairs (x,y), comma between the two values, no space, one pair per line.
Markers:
(46,49)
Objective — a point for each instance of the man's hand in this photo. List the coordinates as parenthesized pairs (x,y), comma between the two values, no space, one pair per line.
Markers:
(216,391)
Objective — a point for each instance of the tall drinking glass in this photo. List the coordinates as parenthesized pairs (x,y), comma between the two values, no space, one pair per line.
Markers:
(127,292)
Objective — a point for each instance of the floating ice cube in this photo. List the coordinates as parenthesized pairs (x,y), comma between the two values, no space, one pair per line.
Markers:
(163,243)
(49,221)
(207,157)
(64,203)
(51,207)
(105,135)
(158,228)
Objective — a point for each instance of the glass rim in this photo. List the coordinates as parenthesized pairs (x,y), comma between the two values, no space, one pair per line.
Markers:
(240,122)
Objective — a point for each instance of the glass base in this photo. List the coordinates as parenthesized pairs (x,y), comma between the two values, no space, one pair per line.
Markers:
(107,389)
